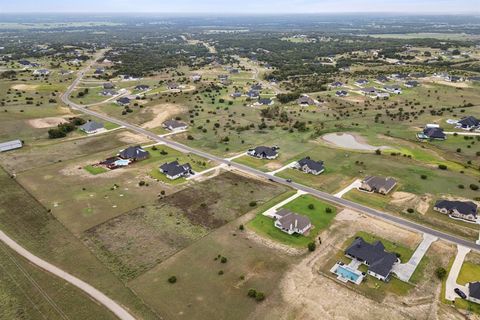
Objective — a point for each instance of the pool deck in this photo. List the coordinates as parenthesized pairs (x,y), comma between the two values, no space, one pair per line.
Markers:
(348,268)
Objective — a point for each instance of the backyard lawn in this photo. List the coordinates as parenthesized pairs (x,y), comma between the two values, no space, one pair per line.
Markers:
(318,216)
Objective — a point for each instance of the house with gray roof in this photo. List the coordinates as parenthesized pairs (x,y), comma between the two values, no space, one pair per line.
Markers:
(291,223)
(11,145)
(361,82)
(310,166)
(124,101)
(265,102)
(468,123)
(263,152)
(135,153)
(378,184)
(305,101)
(341,93)
(432,133)
(108,93)
(173,170)
(108,85)
(380,262)
(474,292)
(174,125)
(466,210)
(142,87)
(395,88)
(92,127)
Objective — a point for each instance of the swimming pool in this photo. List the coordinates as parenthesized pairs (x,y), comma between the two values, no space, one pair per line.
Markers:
(348,274)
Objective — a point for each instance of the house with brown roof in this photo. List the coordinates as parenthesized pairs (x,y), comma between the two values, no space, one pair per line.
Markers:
(377,184)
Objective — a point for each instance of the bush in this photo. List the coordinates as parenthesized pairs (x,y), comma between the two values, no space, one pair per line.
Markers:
(442,167)
(328,210)
(252,293)
(410,210)
(474,187)
(241,227)
(441,273)
(223,260)
(190,137)
(311,206)
(260,296)
(253,203)
(311,246)
(172,279)
(56,133)
(423,176)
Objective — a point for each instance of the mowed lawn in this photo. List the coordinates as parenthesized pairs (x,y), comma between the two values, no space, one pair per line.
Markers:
(319,217)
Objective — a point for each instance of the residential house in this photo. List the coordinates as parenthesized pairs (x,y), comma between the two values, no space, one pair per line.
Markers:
(341,93)
(99,71)
(369,91)
(411,84)
(432,133)
(291,223)
(336,84)
(173,170)
(361,82)
(124,101)
(172,86)
(468,123)
(108,85)
(308,165)
(474,292)
(236,94)
(174,125)
(142,87)
(305,101)
(41,72)
(418,75)
(382,95)
(378,184)
(380,262)
(91,127)
(454,78)
(474,79)
(396,89)
(381,78)
(265,102)
(135,153)
(196,77)
(108,93)
(466,210)
(263,152)
(253,94)
(256,87)
(11,145)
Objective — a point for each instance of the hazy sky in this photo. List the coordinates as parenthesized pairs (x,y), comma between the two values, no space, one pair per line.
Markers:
(242,6)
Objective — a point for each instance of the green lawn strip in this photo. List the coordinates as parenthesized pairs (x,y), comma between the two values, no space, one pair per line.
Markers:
(470,272)
(369,199)
(95,170)
(319,218)
(253,162)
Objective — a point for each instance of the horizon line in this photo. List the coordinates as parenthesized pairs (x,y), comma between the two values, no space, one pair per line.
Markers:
(468,13)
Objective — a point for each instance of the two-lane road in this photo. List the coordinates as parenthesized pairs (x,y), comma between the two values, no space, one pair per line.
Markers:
(322,195)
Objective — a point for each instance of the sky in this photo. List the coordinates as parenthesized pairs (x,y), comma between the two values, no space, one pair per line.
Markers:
(241,6)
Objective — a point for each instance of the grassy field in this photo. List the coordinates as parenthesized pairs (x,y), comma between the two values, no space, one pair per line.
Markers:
(27,292)
(29,223)
(138,240)
(318,216)
(470,272)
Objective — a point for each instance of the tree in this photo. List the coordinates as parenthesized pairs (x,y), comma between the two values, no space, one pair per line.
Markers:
(311,206)
(442,167)
(378,152)
(312,246)
(260,296)
(172,279)
(252,293)
(253,203)
(441,273)
(223,260)
(56,133)
(288,97)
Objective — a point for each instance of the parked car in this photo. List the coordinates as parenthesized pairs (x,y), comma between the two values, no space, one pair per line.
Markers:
(460,293)
(289,180)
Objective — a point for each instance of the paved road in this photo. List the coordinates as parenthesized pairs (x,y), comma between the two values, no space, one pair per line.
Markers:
(319,194)
(114,307)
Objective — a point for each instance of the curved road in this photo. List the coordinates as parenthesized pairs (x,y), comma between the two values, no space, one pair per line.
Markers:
(120,312)
(322,195)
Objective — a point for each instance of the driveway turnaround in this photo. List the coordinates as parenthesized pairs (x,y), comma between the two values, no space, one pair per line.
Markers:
(272,210)
(404,271)
(354,185)
(453,275)
(111,305)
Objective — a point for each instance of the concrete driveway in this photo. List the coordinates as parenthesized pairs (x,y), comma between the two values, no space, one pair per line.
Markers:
(451,283)
(354,185)
(404,271)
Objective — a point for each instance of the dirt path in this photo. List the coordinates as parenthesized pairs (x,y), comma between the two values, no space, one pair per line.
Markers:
(114,307)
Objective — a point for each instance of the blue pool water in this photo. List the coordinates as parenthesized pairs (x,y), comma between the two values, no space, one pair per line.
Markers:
(347,274)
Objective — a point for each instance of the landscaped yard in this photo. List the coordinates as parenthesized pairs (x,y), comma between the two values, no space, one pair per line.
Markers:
(318,216)
(470,272)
